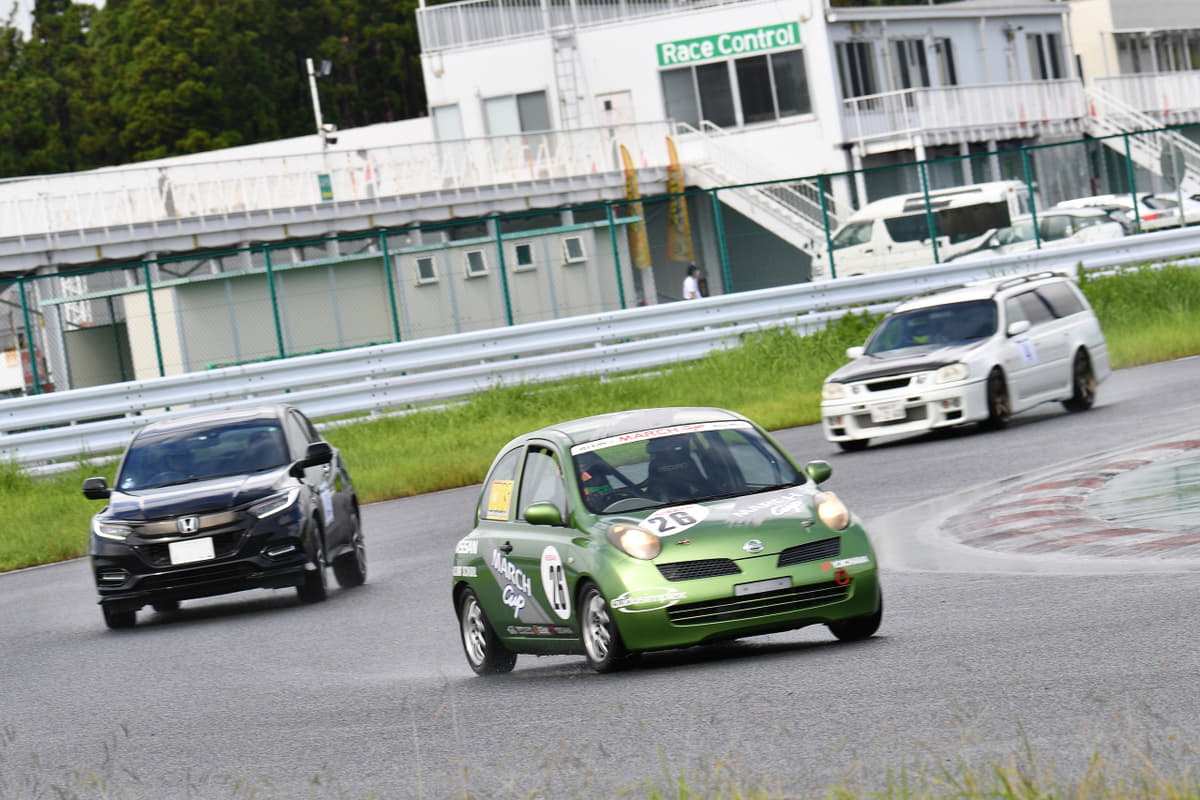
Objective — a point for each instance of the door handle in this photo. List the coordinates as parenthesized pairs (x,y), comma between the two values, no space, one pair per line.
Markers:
(505,548)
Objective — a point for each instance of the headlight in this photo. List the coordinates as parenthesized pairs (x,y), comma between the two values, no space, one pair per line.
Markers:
(951,373)
(832,511)
(275,503)
(635,542)
(110,530)
(833,391)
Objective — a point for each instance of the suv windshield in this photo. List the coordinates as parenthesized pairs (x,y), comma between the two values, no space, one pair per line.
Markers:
(638,471)
(935,326)
(195,454)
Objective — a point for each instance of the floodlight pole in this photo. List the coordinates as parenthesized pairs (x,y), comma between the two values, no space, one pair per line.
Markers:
(316,100)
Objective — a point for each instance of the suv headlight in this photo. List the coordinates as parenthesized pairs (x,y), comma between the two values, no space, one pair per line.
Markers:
(636,542)
(833,391)
(951,373)
(832,511)
(113,531)
(275,503)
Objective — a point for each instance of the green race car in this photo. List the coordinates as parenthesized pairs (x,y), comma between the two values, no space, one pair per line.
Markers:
(665,527)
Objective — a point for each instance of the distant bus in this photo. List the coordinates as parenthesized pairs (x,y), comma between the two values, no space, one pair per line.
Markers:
(893,233)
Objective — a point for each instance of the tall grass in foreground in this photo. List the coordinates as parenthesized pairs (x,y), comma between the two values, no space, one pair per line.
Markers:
(773,376)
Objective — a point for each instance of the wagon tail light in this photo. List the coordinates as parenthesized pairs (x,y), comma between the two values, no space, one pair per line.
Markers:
(636,542)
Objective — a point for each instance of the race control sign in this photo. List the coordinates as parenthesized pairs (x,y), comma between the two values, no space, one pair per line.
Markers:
(733,43)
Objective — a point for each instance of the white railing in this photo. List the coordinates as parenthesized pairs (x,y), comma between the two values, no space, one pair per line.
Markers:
(1109,116)
(1013,107)
(225,190)
(1164,95)
(472,22)
(39,430)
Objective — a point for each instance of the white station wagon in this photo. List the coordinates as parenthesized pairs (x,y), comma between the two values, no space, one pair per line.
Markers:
(975,353)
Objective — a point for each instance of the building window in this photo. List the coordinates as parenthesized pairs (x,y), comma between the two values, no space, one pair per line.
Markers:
(856,68)
(912,70)
(1045,56)
(426,270)
(522,257)
(476,264)
(768,87)
(573,252)
(943,57)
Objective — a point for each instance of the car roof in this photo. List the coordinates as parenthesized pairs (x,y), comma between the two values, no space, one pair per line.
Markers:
(223,416)
(979,290)
(601,426)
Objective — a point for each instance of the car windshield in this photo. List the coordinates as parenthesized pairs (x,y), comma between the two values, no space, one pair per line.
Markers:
(196,454)
(683,464)
(936,326)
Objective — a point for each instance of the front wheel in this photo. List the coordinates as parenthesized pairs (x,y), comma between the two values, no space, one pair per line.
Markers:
(999,409)
(350,569)
(857,628)
(486,654)
(118,620)
(313,589)
(601,639)
(854,445)
(1083,384)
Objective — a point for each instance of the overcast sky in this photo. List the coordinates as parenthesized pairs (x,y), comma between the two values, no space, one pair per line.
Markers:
(24,17)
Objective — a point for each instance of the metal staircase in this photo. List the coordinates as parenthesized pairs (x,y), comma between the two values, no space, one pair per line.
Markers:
(792,210)
(1165,153)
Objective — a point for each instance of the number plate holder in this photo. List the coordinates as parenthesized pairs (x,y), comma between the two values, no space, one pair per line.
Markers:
(188,551)
(758,587)
(887,412)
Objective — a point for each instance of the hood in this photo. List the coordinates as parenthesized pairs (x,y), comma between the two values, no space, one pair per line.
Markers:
(902,361)
(723,528)
(198,497)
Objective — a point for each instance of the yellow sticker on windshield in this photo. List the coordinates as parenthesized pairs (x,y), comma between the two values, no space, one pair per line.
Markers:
(499,499)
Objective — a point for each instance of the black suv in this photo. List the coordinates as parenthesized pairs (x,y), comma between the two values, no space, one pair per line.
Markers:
(221,502)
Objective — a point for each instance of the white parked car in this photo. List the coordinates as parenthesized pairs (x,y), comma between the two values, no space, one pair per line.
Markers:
(1157,211)
(1056,227)
(975,353)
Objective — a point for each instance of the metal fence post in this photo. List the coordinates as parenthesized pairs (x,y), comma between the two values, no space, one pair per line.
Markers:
(162,370)
(29,338)
(274,302)
(719,224)
(508,314)
(387,275)
(930,222)
(612,238)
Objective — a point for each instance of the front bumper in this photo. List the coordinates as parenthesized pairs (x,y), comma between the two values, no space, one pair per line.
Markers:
(906,410)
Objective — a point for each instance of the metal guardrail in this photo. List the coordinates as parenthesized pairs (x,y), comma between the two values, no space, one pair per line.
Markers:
(39,430)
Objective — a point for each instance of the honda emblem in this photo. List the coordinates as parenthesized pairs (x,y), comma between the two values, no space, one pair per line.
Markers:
(188,524)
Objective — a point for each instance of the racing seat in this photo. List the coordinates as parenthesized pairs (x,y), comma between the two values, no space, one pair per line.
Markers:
(672,474)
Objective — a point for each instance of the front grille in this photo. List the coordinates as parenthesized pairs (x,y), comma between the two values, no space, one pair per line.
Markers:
(811,551)
(757,605)
(888,384)
(225,544)
(191,577)
(705,568)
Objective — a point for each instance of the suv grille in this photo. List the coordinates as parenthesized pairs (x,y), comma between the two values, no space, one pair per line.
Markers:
(757,605)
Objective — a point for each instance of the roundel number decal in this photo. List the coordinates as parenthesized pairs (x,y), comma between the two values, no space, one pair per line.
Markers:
(673,521)
(554,582)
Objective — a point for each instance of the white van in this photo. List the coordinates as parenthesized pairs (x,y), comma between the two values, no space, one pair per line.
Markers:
(893,233)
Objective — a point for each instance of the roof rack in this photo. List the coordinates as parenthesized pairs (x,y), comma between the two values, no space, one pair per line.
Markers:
(1033,276)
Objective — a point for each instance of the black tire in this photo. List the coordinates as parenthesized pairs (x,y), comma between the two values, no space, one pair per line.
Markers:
(165,606)
(350,569)
(854,445)
(601,640)
(313,588)
(119,620)
(858,628)
(999,408)
(1083,384)
(483,649)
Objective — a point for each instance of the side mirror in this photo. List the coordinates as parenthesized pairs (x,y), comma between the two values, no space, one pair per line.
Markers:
(819,471)
(317,453)
(855,352)
(1019,327)
(544,514)
(96,488)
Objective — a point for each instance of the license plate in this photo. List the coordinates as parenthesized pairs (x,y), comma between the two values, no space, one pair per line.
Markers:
(758,587)
(887,412)
(190,550)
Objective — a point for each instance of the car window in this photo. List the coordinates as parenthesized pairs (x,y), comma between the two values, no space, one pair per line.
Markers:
(541,481)
(193,454)
(934,326)
(1027,306)
(1062,300)
(1056,227)
(496,498)
(852,234)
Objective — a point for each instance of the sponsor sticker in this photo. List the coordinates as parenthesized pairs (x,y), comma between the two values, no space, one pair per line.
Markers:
(499,499)
(464,572)
(467,547)
(554,582)
(672,521)
(845,562)
(651,598)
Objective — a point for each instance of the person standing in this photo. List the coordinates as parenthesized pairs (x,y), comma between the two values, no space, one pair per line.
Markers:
(691,284)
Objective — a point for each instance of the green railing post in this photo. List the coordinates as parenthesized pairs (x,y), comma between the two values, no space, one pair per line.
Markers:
(1137,213)
(162,370)
(29,338)
(508,314)
(1025,165)
(722,250)
(387,275)
(612,238)
(930,222)
(825,224)
(274,302)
